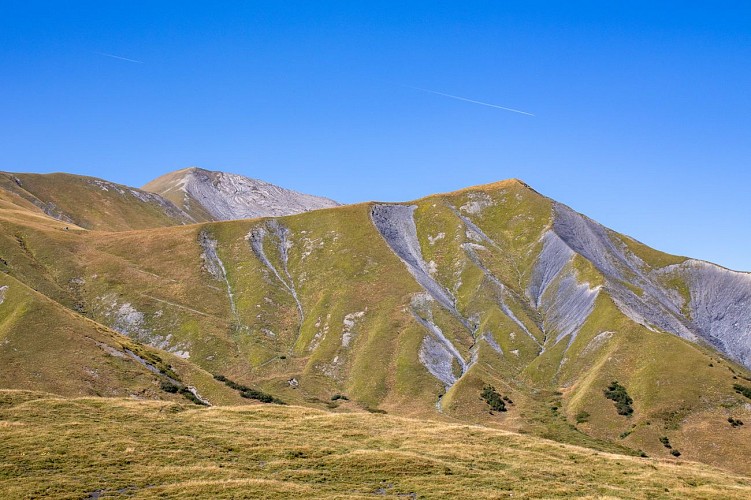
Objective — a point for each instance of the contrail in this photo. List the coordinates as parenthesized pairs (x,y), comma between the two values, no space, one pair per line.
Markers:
(470,100)
(118,57)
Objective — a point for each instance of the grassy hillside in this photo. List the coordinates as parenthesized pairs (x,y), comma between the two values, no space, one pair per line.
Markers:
(92,203)
(44,346)
(77,448)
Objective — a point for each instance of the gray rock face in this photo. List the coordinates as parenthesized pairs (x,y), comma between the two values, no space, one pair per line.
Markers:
(555,255)
(229,196)
(718,311)
(565,304)
(256,238)
(437,360)
(624,272)
(397,226)
(720,307)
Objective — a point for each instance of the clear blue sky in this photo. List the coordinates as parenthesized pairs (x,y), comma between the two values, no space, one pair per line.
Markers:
(642,113)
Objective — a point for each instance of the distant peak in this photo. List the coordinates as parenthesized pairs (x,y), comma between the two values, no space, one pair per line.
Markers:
(217,195)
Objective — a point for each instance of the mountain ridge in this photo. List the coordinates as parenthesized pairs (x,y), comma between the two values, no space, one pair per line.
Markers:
(413,308)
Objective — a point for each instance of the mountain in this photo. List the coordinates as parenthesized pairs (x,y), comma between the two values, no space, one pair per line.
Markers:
(492,305)
(207,195)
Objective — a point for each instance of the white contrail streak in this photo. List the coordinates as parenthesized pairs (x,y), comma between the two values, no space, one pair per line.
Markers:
(470,100)
(118,57)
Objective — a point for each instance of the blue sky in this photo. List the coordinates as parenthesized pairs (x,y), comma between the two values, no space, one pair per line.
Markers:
(642,112)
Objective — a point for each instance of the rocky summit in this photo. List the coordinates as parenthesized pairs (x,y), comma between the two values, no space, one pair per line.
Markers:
(208,195)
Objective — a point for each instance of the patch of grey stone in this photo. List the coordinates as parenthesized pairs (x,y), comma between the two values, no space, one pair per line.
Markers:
(229,196)
(256,238)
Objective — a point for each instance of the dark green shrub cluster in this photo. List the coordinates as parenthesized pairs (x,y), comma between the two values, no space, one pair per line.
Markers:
(337,397)
(582,417)
(248,393)
(617,393)
(168,386)
(190,396)
(735,422)
(666,443)
(261,396)
(175,387)
(494,400)
(742,389)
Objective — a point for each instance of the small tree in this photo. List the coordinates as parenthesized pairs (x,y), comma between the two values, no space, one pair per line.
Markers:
(617,393)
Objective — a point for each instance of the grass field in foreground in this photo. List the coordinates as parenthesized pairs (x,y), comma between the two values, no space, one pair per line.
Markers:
(99,448)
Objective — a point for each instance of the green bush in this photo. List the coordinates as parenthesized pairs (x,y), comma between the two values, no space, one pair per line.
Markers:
(168,386)
(665,442)
(617,393)
(675,453)
(742,389)
(494,400)
(735,422)
(191,397)
(260,396)
(248,393)
(582,417)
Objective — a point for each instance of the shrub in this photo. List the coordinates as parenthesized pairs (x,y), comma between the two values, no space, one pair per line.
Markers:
(336,397)
(494,400)
(582,417)
(735,422)
(260,396)
(191,397)
(675,453)
(742,389)
(665,442)
(617,393)
(248,393)
(168,386)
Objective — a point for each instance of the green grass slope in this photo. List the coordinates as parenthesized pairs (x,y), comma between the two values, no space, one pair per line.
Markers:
(46,347)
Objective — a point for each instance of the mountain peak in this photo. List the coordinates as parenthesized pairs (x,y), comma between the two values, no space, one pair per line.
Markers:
(217,195)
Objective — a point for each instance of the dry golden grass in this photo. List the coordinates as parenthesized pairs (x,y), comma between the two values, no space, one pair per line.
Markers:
(73,448)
